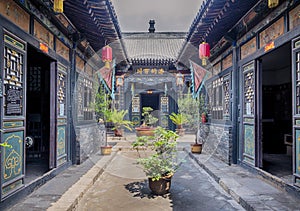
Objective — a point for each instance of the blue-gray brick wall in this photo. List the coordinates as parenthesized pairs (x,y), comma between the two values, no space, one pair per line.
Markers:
(217,141)
(89,139)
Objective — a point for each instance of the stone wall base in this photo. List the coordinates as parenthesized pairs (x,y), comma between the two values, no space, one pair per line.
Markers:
(217,141)
(89,139)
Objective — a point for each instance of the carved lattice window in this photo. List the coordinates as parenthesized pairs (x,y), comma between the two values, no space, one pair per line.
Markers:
(13,81)
(249,90)
(297,82)
(87,99)
(80,97)
(226,88)
(217,99)
(61,93)
(34,81)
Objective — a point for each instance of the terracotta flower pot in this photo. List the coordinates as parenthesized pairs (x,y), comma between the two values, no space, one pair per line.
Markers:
(144,131)
(106,150)
(196,148)
(118,132)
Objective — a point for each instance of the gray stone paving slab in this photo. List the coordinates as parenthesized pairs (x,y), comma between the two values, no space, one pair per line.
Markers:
(191,189)
(53,190)
(252,192)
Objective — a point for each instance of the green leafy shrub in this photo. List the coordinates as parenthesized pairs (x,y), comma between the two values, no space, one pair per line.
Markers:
(162,162)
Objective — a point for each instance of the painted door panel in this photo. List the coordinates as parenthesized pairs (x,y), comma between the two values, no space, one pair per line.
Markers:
(248,113)
(13,111)
(296,109)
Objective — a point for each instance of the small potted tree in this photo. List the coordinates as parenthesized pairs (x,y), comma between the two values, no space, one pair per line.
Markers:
(147,128)
(161,165)
(179,119)
(119,121)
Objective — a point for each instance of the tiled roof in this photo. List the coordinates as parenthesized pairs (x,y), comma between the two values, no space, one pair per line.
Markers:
(213,21)
(153,47)
(97,22)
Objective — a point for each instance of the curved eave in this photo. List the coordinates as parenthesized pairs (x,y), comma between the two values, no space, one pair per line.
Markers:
(97,22)
(213,21)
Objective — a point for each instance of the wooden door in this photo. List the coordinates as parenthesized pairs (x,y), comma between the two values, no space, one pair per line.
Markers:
(248,113)
(13,114)
(296,109)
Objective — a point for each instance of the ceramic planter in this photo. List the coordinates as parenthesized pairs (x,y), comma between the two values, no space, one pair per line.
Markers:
(144,131)
(196,148)
(161,186)
(106,150)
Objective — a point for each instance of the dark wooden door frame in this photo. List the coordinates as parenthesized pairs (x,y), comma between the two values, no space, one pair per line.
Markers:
(53,123)
(258,116)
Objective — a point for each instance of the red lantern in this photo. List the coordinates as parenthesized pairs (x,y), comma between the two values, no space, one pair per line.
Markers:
(203,118)
(107,55)
(204,52)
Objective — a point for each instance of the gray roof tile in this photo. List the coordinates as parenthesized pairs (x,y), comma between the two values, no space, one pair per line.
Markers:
(154,46)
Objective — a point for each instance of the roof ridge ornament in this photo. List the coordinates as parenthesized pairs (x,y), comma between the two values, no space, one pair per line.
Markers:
(151,27)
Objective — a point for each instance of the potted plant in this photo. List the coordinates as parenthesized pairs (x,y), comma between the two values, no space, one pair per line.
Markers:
(106,150)
(179,119)
(197,146)
(147,128)
(161,165)
(119,121)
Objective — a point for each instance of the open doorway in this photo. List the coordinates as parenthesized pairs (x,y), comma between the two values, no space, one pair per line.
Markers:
(277,112)
(37,114)
(151,99)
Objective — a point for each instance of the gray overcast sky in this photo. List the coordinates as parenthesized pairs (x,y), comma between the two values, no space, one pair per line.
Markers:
(169,15)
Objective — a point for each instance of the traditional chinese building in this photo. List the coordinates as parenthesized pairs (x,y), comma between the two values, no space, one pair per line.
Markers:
(150,81)
(48,60)
(253,91)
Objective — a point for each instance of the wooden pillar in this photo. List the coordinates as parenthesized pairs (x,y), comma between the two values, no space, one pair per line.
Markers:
(235,107)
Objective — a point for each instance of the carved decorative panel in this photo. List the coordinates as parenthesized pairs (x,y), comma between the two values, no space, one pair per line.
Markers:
(217,99)
(12,170)
(136,105)
(249,144)
(62,50)
(80,94)
(248,48)
(297,69)
(61,93)
(227,62)
(79,63)
(164,107)
(294,17)
(13,162)
(43,34)
(272,32)
(226,90)
(249,93)
(217,68)
(135,110)
(87,99)
(13,79)
(61,138)
(248,113)
(13,12)
(164,103)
